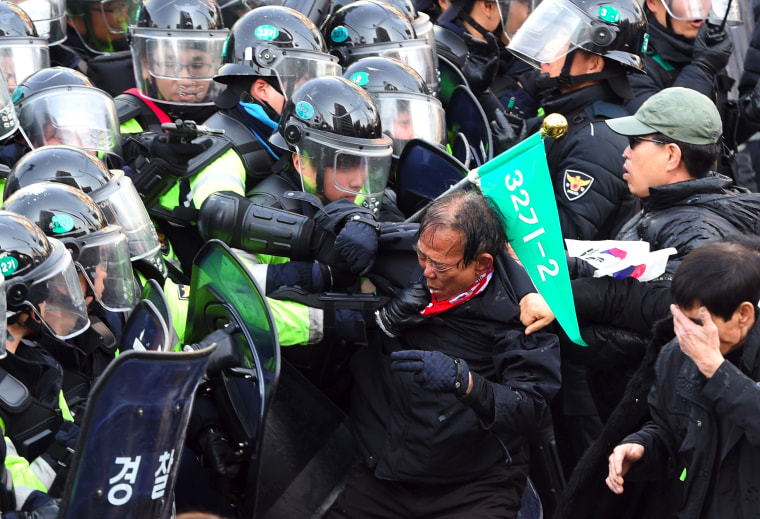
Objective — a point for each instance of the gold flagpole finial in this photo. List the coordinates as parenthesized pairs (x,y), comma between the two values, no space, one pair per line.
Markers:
(554,126)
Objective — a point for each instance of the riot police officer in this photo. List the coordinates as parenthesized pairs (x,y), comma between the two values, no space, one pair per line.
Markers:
(101,257)
(176,49)
(269,51)
(44,297)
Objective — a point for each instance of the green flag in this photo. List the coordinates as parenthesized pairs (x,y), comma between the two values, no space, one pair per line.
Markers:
(518,181)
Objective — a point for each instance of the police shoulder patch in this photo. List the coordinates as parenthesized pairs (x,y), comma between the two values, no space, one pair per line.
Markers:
(577,184)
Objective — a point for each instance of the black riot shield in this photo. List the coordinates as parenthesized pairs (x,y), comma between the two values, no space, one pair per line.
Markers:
(423,172)
(465,116)
(153,292)
(127,456)
(451,77)
(223,294)
(145,329)
(298,445)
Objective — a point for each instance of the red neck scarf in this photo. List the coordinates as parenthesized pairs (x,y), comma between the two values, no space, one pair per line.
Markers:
(436,307)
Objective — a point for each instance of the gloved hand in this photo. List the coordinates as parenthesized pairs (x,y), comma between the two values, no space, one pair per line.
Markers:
(357,243)
(177,156)
(403,310)
(356,231)
(67,435)
(506,130)
(350,326)
(712,50)
(312,276)
(482,62)
(218,454)
(37,505)
(436,371)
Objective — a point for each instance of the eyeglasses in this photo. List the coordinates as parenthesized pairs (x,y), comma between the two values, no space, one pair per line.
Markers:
(634,140)
(174,69)
(439,268)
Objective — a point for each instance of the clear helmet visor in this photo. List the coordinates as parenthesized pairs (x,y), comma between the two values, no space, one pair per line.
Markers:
(119,15)
(713,10)
(48,16)
(354,169)
(176,69)
(553,30)
(293,67)
(105,24)
(103,258)
(79,116)
(21,57)
(61,306)
(408,116)
(514,13)
(417,54)
(122,206)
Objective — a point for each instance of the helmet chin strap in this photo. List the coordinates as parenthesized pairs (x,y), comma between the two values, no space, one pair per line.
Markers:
(482,30)
(550,85)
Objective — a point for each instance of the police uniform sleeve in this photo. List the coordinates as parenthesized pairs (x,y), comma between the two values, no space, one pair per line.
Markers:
(593,200)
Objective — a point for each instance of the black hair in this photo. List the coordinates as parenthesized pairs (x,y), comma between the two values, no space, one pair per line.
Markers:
(719,276)
(472,214)
(698,159)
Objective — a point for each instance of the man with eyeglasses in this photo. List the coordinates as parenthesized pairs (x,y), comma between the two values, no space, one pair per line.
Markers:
(449,387)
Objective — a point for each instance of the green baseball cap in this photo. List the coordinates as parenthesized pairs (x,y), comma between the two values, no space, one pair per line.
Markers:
(680,113)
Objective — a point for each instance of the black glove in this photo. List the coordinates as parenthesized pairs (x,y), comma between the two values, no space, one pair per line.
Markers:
(312,276)
(482,62)
(403,310)
(712,49)
(356,231)
(436,371)
(350,326)
(218,454)
(507,130)
(357,243)
(37,505)
(175,157)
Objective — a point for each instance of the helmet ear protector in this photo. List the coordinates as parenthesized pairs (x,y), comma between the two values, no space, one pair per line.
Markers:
(293,133)
(604,35)
(16,295)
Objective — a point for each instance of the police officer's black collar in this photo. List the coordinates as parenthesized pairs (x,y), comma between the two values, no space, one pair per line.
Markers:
(674,48)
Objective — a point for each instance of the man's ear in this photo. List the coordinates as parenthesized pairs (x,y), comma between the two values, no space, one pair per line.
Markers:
(746,313)
(483,263)
(674,156)
(595,63)
(259,89)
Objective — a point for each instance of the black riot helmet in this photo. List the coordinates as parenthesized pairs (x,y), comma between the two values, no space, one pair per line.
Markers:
(334,128)
(615,29)
(22,51)
(111,190)
(40,278)
(59,105)
(407,108)
(279,44)
(368,28)
(176,50)
(100,251)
